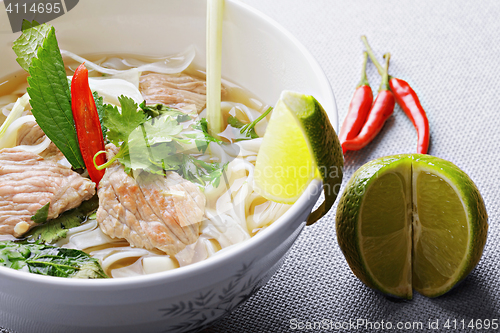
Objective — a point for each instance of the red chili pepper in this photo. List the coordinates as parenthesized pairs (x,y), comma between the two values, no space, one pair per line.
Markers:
(408,101)
(381,110)
(359,108)
(88,127)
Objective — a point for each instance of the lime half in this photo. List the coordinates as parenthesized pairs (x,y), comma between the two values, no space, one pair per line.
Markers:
(299,145)
(411,222)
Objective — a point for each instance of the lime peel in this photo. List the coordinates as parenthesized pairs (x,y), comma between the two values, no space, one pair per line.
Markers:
(442,252)
(299,138)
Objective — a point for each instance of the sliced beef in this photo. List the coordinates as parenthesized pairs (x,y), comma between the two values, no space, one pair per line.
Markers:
(174,90)
(149,211)
(31,134)
(28,182)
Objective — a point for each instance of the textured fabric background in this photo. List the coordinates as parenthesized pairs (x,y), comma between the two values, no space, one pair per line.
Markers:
(448,51)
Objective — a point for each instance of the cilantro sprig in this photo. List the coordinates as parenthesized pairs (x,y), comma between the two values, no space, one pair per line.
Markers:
(160,109)
(150,140)
(42,214)
(247,130)
(56,229)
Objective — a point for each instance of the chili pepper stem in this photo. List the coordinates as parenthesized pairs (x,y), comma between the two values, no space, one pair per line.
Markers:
(384,84)
(364,79)
(369,50)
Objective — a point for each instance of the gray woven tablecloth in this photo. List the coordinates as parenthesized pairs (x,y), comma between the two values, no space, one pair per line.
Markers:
(449,52)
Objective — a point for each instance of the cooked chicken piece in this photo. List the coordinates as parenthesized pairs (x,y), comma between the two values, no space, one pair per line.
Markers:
(28,182)
(149,211)
(174,90)
(31,134)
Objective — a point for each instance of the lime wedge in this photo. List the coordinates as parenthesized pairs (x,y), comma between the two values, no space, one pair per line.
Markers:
(411,222)
(449,227)
(299,145)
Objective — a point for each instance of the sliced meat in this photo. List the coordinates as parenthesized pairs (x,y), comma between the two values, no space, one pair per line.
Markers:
(28,182)
(174,90)
(149,211)
(31,134)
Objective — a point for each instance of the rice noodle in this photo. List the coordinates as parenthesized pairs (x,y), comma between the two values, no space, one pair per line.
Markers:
(36,149)
(7,109)
(112,255)
(111,89)
(9,136)
(87,237)
(15,113)
(169,65)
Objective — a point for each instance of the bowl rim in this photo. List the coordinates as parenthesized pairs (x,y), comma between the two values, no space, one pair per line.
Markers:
(312,192)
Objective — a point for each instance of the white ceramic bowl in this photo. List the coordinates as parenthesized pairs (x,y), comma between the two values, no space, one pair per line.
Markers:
(257,54)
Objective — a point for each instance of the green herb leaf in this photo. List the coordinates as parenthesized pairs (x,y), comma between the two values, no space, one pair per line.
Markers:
(31,39)
(201,172)
(50,97)
(42,214)
(49,260)
(120,125)
(100,111)
(153,145)
(158,130)
(248,130)
(160,109)
(203,137)
(236,123)
(56,229)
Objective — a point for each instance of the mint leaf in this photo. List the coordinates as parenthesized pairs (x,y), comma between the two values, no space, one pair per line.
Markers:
(50,99)
(120,125)
(31,39)
(56,229)
(100,111)
(49,260)
(42,214)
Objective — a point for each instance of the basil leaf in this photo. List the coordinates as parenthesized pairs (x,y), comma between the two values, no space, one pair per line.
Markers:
(49,260)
